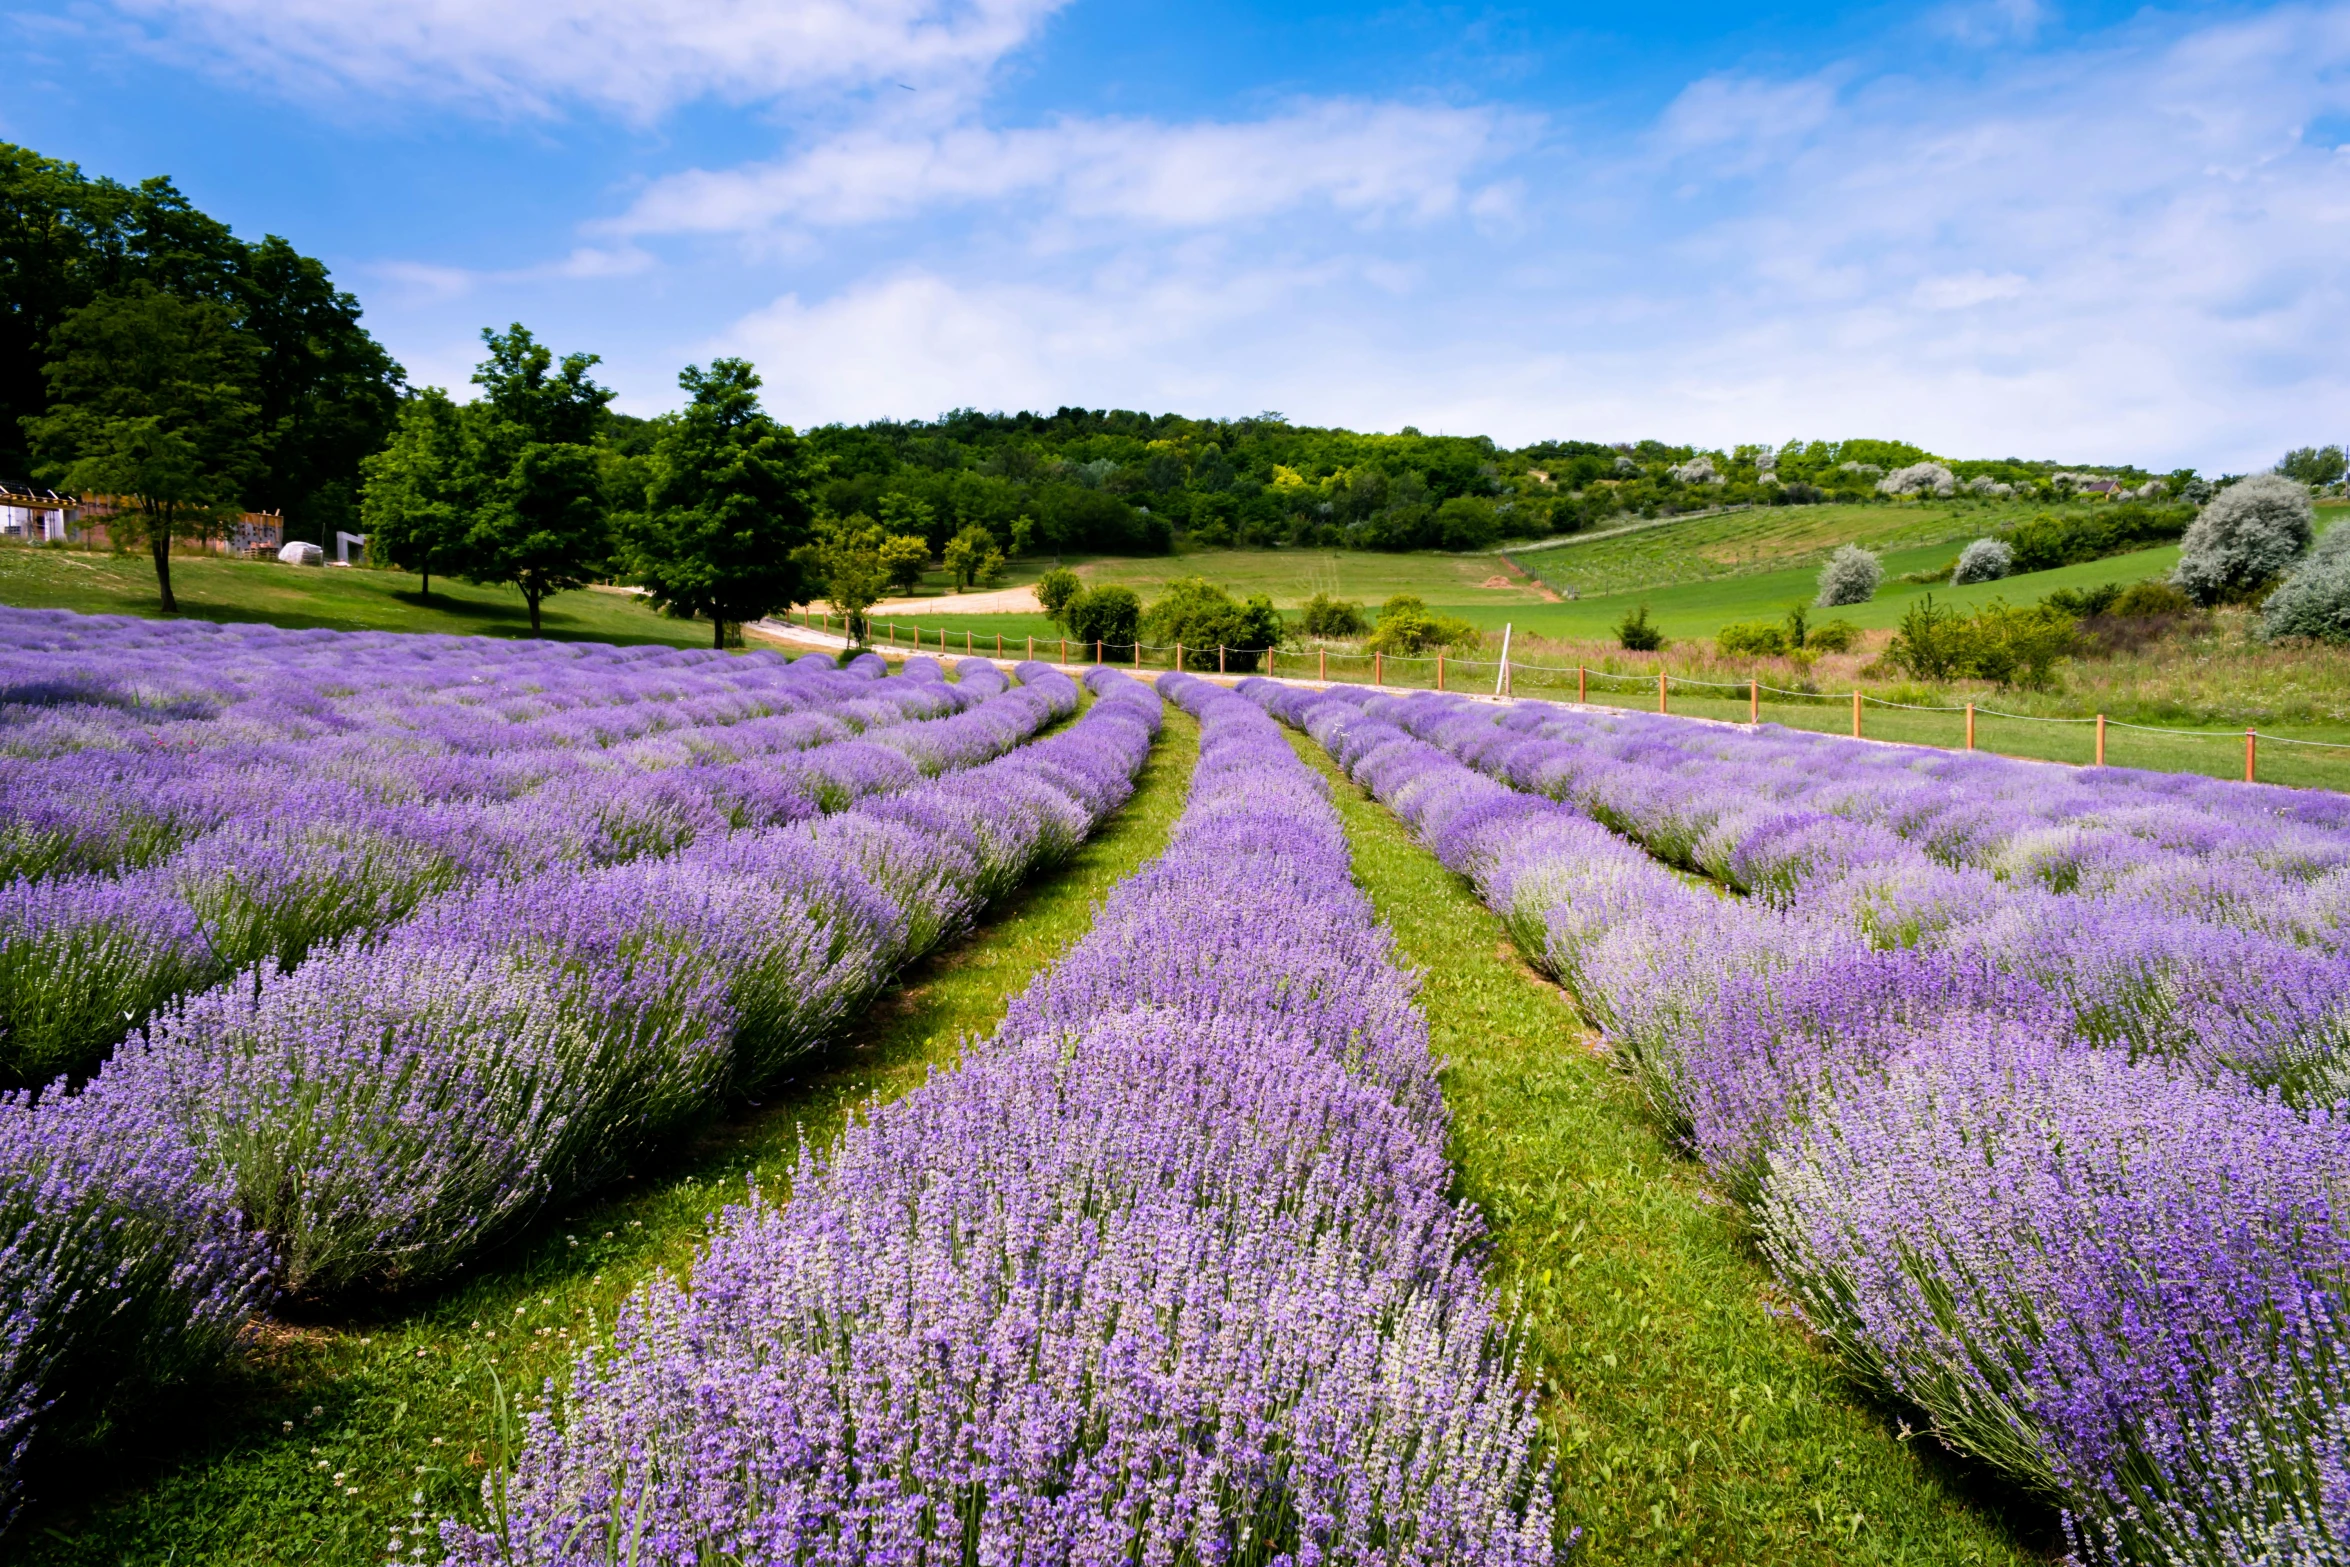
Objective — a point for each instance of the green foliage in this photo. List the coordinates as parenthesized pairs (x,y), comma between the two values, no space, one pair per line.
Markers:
(2153,596)
(415,505)
(2081,603)
(1836,636)
(324,393)
(1407,626)
(2000,643)
(1203,618)
(1751,639)
(904,557)
(1055,589)
(2047,542)
(972,558)
(1636,633)
(2314,599)
(1111,616)
(726,506)
(1332,618)
(849,559)
(150,398)
(544,525)
(2313,465)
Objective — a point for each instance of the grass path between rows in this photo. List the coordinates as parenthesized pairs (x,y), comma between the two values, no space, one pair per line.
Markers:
(403,1402)
(1694,1419)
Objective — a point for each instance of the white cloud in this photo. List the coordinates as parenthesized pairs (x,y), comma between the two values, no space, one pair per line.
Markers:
(1959,290)
(1361,159)
(633,57)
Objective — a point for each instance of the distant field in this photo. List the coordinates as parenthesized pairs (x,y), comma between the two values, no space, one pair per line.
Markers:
(213,588)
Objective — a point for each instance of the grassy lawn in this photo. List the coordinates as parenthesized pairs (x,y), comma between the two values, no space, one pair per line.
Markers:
(211,587)
(1695,1420)
(400,1399)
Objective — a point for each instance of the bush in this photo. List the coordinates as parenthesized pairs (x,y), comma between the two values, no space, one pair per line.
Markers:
(1406,626)
(1111,616)
(2047,542)
(1837,636)
(2144,600)
(2084,602)
(2314,600)
(2249,533)
(1203,618)
(1851,576)
(1466,522)
(1637,634)
(2000,643)
(1055,589)
(1985,560)
(1325,616)
(1919,478)
(1750,639)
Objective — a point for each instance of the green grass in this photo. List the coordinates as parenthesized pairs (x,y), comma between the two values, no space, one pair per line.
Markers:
(1695,1421)
(223,1480)
(217,588)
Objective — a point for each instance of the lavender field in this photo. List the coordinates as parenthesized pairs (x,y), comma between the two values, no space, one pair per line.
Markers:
(2029,1078)
(337,971)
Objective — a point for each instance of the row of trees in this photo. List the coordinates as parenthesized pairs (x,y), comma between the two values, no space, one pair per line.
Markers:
(147,351)
(527,485)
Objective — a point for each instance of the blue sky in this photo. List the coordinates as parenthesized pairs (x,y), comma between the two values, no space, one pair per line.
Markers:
(2009,228)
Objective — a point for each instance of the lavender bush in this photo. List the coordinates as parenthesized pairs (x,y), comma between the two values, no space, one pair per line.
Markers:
(1164,1272)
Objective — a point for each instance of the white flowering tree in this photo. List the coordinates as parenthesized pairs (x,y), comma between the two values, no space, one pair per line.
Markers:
(1851,576)
(2244,538)
(1985,560)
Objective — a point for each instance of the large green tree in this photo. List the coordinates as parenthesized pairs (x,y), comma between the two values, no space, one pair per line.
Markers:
(418,493)
(324,391)
(541,516)
(726,505)
(150,398)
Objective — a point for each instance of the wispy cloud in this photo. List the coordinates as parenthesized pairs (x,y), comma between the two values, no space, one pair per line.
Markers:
(636,58)
(1360,159)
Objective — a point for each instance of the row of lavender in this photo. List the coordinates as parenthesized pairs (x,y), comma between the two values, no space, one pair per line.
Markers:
(85,957)
(376,1116)
(2219,937)
(2117,1273)
(1163,1272)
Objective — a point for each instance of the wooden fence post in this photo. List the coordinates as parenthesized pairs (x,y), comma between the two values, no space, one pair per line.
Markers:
(1375,657)
(1178,655)
(1138,652)
(2100,739)
(1753,701)
(1322,664)
(1440,669)
(1097,650)
(1219,658)
(1970,726)
(1268,663)
(1856,715)
(1032,649)
(1579,696)
(2249,737)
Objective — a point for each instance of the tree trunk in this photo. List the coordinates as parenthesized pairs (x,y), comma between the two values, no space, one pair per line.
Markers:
(718,634)
(427,575)
(159,538)
(532,599)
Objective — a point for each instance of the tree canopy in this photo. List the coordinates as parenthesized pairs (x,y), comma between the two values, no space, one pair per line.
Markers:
(323,392)
(726,506)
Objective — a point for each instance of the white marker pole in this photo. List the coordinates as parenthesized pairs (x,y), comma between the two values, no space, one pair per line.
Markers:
(1501,680)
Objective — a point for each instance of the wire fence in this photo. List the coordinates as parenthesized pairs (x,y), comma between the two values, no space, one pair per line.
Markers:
(2251,754)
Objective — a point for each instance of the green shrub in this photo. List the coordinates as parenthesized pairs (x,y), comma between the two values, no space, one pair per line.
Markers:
(2084,602)
(1325,616)
(1111,616)
(2151,597)
(1637,634)
(1750,639)
(1055,589)
(1202,618)
(1999,642)
(1837,636)
(2047,542)
(1406,626)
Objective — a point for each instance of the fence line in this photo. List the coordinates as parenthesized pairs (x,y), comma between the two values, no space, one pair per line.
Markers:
(1505,672)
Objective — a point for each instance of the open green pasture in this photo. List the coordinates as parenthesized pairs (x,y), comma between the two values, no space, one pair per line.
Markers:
(399,1397)
(1694,1419)
(213,587)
